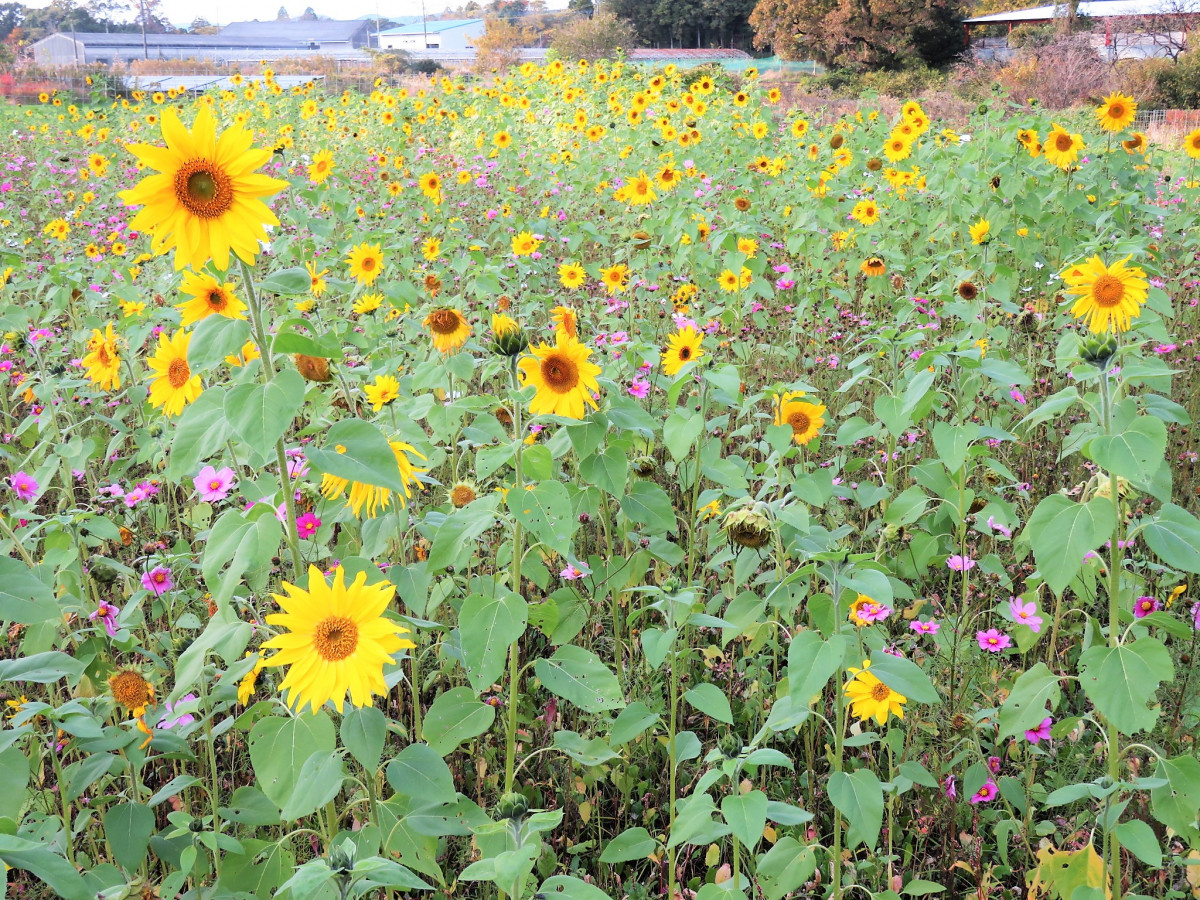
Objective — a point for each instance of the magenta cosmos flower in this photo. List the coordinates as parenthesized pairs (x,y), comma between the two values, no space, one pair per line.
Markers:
(213,485)
(1143,606)
(930,627)
(25,487)
(987,793)
(106,613)
(993,641)
(1041,733)
(1025,613)
(307,525)
(158,580)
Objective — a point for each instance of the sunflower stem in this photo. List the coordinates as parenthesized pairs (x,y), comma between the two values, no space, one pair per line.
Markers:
(268,370)
(514,649)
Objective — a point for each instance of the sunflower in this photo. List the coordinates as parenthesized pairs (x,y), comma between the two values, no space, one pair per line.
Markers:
(615,278)
(873,266)
(684,346)
(431,249)
(502,139)
(871,698)
(383,391)
(563,376)
(367,304)
(209,297)
(897,148)
(448,328)
(431,185)
(322,166)
(131,690)
(316,279)
(866,212)
(566,322)
(1116,112)
(979,231)
(175,386)
(1062,148)
(366,262)
(525,244)
(571,275)
(102,363)
(967,290)
(728,280)
(462,493)
(1191,144)
(373,497)
(1109,296)
(639,190)
(338,639)
(1136,143)
(205,199)
(805,418)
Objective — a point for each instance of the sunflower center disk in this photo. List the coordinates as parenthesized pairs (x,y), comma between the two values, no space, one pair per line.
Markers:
(178,373)
(444,322)
(799,422)
(880,692)
(203,189)
(560,373)
(335,638)
(1108,291)
(1062,143)
(216,300)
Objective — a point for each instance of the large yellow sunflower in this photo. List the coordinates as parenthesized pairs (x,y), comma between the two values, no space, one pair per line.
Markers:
(174,386)
(338,640)
(805,418)
(102,364)
(869,697)
(366,262)
(1116,112)
(1061,147)
(564,378)
(372,496)
(571,275)
(209,297)
(448,328)
(1109,296)
(1191,144)
(204,199)
(615,278)
(683,347)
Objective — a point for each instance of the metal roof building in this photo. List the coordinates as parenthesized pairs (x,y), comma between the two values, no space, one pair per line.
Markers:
(444,35)
(1092,9)
(327,35)
(78,48)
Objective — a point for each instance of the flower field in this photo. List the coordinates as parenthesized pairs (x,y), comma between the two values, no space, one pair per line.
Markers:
(599,482)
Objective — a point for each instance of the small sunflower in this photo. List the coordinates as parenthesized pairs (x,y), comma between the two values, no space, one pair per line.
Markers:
(366,262)
(338,640)
(804,418)
(571,275)
(564,377)
(967,290)
(131,690)
(1116,112)
(383,391)
(866,212)
(1061,147)
(174,386)
(683,348)
(1109,296)
(873,266)
(1136,143)
(209,297)
(1191,144)
(525,244)
(322,167)
(871,698)
(102,364)
(615,278)
(566,322)
(980,231)
(448,328)
(462,493)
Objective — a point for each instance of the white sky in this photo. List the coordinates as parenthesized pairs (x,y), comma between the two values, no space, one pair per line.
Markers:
(222,12)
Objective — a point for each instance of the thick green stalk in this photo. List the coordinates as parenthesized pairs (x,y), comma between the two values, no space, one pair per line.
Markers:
(268,370)
(1114,612)
(672,726)
(839,748)
(514,650)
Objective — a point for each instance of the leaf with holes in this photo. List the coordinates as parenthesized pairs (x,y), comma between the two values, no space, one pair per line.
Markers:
(578,675)
(545,510)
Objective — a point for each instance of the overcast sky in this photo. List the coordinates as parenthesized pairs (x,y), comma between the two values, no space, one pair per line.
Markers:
(222,12)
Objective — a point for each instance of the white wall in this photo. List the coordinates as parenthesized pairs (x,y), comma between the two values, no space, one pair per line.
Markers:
(452,39)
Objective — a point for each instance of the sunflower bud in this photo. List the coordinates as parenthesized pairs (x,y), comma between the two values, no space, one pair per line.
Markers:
(641,240)
(644,466)
(874,164)
(1099,350)
(341,859)
(836,141)
(512,806)
(748,525)
(508,338)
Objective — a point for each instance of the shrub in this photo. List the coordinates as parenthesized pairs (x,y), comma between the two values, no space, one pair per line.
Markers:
(596,38)
(1178,87)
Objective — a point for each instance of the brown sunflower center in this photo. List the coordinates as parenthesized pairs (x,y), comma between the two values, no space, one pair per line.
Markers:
(799,421)
(102,356)
(444,321)
(560,373)
(367,264)
(178,372)
(335,638)
(880,692)
(216,299)
(1062,142)
(203,189)
(462,495)
(685,353)
(130,689)
(1116,111)
(967,290)
(1108,291)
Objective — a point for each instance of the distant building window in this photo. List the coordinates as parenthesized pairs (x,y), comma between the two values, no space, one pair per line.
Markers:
(433,46)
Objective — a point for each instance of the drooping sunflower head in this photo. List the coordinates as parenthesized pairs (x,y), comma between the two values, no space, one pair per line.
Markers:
(131,690)
(806,419)
(1116,112)
(448,328)
(747,523)
(873,266)
(967,290)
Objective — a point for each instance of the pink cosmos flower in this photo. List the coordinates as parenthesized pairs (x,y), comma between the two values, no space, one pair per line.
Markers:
(213,485)
(1143,606)
(1025,613)
(158,580)
(930,627)
(874,612)
(24,485)
(960,563)
(993,525)
(993,641)
(307,525)
(570,573)
(948,787)
(639,388)
(185,719)
(987,793)
(1016,394)
(106,613)
(1041,733)
(1196,616)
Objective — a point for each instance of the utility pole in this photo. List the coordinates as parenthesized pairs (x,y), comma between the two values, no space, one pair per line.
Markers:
(145,47)
(424,26)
